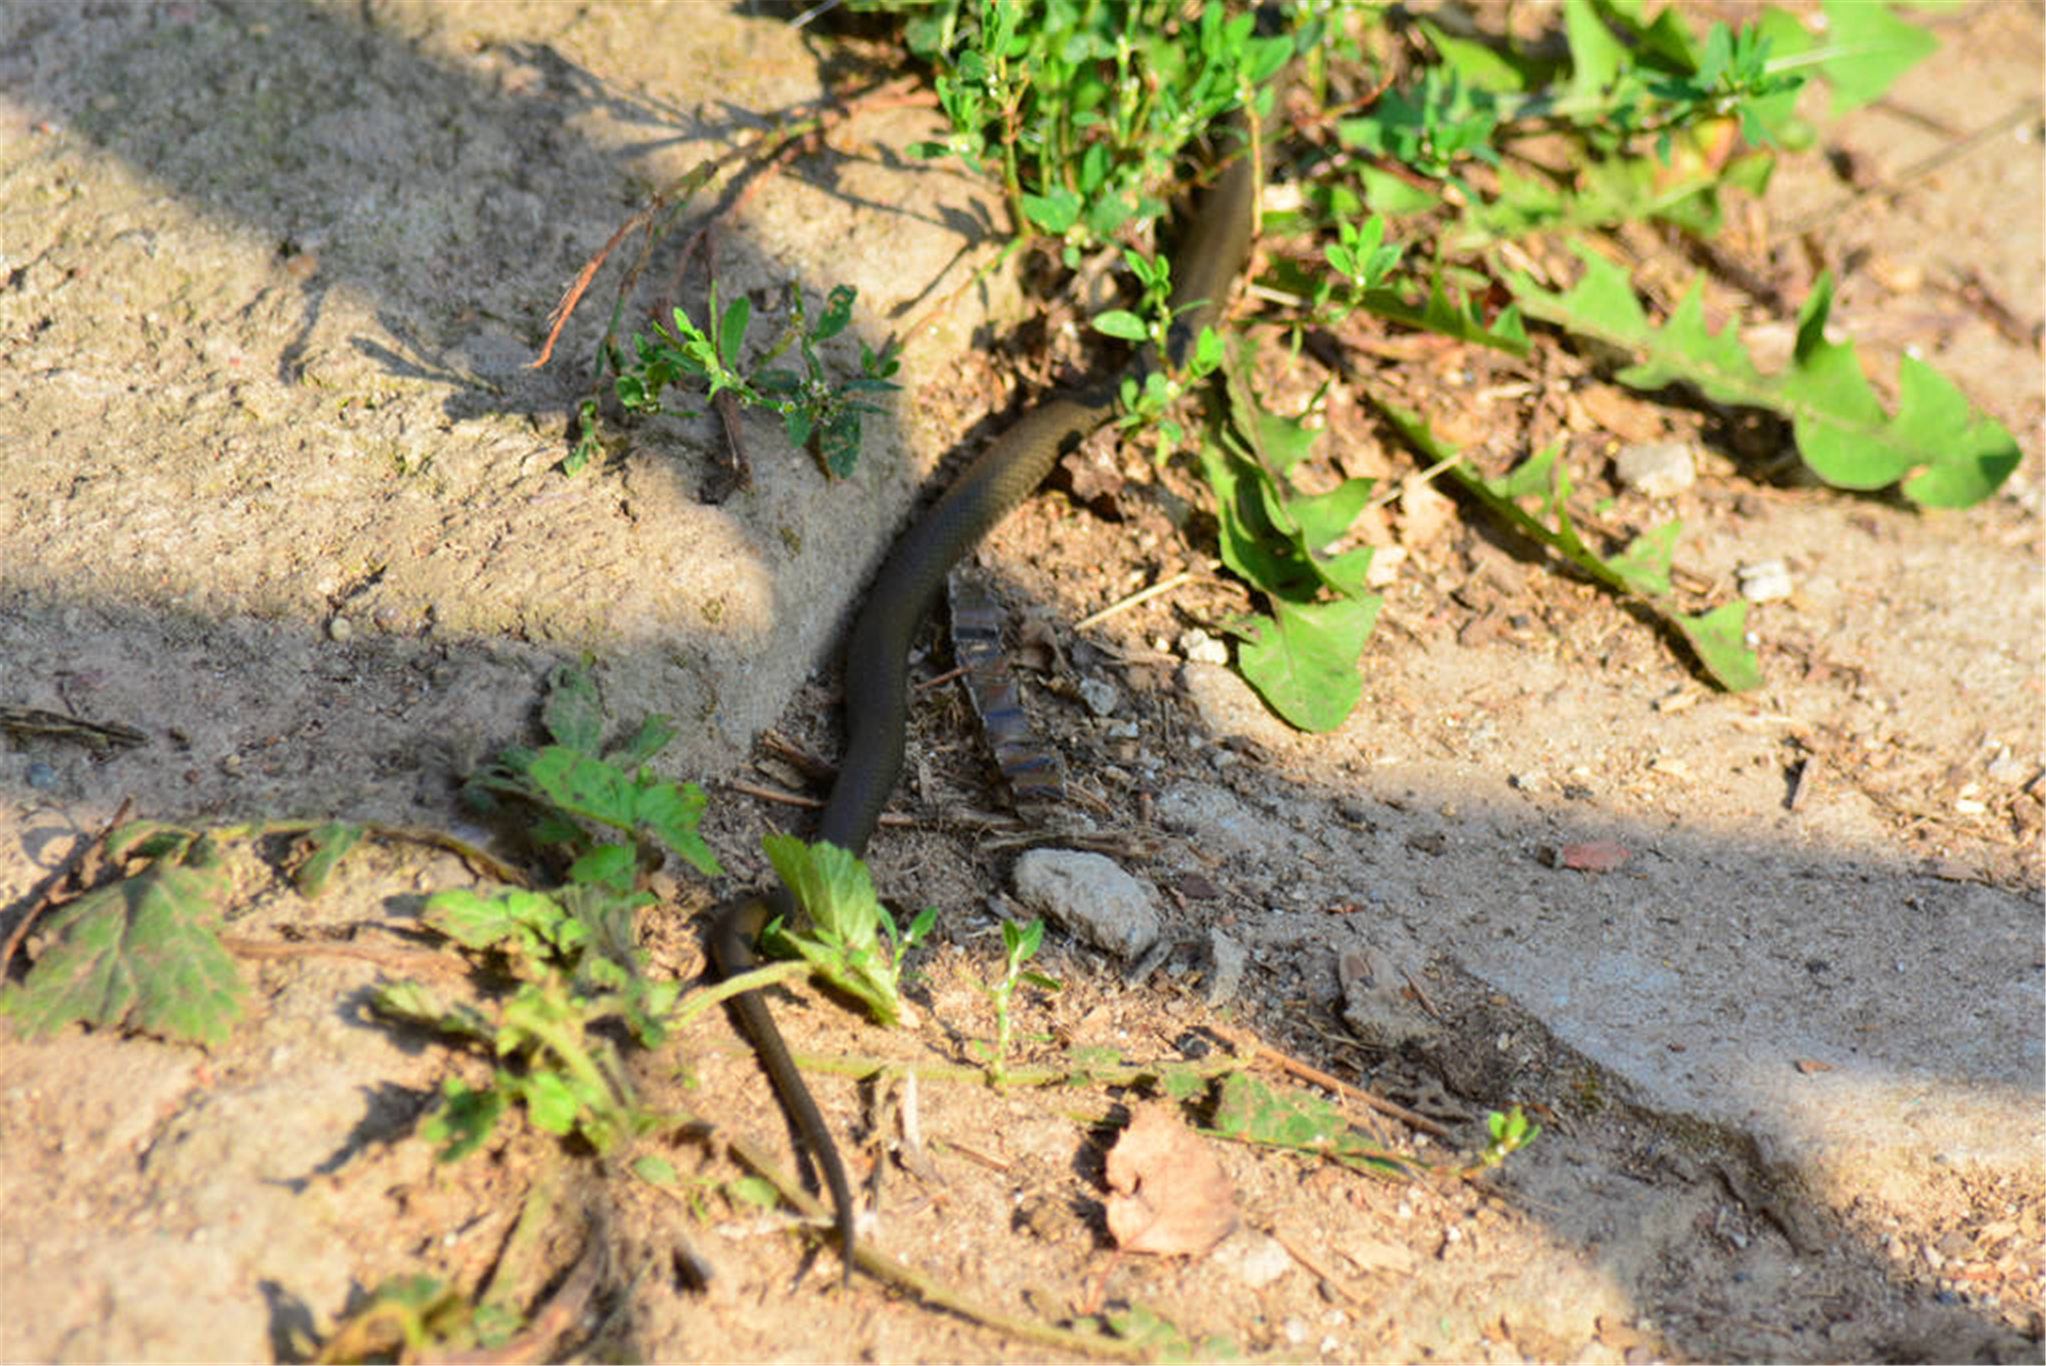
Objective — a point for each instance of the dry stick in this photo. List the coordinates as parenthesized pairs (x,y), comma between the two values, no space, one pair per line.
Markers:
(406,960)
(1328,1275)
(769,794)
(1135,599)
(73,861)
(1917,170)
(885,1268)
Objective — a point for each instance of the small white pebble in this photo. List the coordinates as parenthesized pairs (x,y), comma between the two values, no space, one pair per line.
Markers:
(1201,648)
(1764,581)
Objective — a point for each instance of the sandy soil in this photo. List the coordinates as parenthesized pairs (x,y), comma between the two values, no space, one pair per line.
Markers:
(278,489)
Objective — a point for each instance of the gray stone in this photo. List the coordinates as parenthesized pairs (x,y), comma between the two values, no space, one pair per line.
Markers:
(1099,695)
(1657,469)
(1089,895)
(1226,960)
(1375,1004)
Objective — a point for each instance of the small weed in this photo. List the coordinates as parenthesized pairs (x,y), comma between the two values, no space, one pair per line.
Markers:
(1249,1111)
(1163,1339)
(1509,1133)
(1019,945)
(143,951)
(851,940)
(818,414)
(415,1318)
(572,950)
(1302,657)
(1083,110)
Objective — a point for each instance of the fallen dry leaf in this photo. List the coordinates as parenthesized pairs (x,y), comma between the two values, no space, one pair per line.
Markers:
(1170,1196)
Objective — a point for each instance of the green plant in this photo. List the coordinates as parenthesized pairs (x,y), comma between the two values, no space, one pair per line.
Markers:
(1083,110)
(1246,1110)
(1641,571)
(571,950)
(1944,453)
(817,413)
(1507,1134)
(851,940)
(1302,656)
(1019,945)
(1148,404)
(142,950)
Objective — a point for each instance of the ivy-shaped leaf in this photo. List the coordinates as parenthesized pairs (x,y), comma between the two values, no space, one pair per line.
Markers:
(140,953)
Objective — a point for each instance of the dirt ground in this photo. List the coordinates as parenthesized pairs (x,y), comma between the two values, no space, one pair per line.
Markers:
(277,489)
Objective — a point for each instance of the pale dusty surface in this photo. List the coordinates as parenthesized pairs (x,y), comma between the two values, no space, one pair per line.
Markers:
(277,487)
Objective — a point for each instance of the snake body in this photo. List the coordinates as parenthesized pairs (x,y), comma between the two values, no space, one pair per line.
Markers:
(877,651)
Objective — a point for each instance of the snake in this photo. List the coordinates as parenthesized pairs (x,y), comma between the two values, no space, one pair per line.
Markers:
(876,671)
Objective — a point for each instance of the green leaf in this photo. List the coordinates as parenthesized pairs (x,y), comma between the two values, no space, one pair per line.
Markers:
(572,713)
(578,784)
(329,843)
(1390,194)
(1875,47)
(612,865)
(655,1170)
(1644,564)
(838,307)
(672,814)
(551,1103)
(838,443)
(415,1003)
(844,941)
(1052,213)
(1120,323)
(1720,639)
(524,922)
(1304,661)
(1596,56)
(1452,315)
(732,330)
(1484,67)
(650,739)
(464,1119)
(753,1190)
(1947,454)
(140,953)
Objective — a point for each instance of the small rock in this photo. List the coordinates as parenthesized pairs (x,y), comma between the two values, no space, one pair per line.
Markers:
(1099,695)
(1202,648)
(1225,974)
(1764,581)
(2005,768)
(41,776)
(1657,469)
(1256,1258)
(340,630)
(1375,1004)
(1090,896)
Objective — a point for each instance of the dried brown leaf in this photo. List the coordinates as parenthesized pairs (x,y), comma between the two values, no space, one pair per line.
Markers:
(1170,1196)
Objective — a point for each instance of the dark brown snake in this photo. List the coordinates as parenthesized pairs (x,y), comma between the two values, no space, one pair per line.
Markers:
(877,651)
